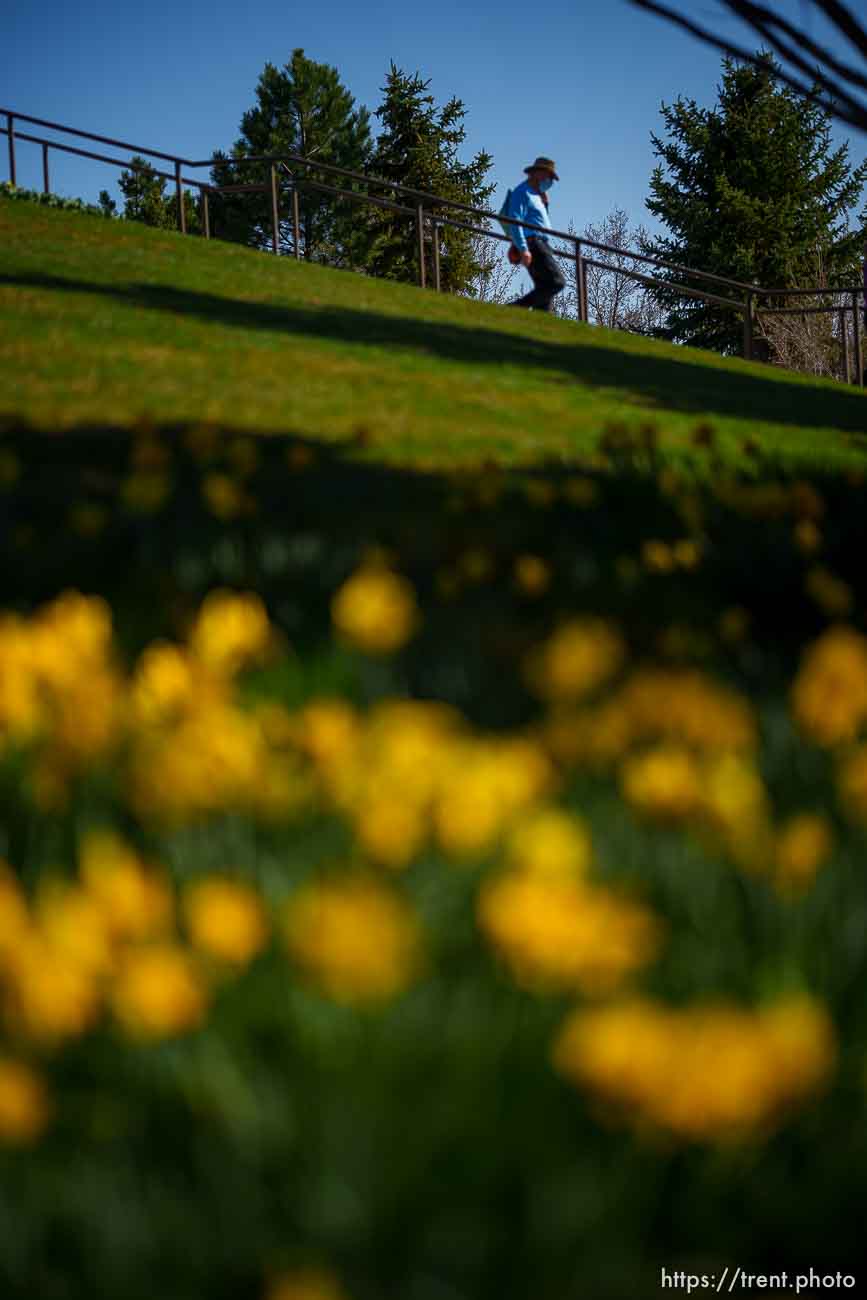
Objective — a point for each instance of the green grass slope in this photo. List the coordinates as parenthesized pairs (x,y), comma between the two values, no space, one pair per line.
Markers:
(111,323)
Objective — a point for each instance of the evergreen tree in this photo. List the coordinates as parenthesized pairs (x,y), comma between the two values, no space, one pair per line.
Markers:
(418,148)
(302,108)
(751,189)
(146,200)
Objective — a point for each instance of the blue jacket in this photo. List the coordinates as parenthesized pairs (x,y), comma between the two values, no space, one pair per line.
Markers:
(526,205)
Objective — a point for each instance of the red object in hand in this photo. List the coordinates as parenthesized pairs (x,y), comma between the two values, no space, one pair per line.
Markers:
(513,255)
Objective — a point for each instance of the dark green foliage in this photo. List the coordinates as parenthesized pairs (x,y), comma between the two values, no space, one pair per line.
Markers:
(419,148)
(9,191)
(107,205)
(751,189)
(302,108)
(146,200)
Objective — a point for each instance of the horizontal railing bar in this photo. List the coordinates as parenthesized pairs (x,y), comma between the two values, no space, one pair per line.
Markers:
(665,284)
(438,200)
(432,201)
(805,293)
(88,135)
(101,157)
(801,311)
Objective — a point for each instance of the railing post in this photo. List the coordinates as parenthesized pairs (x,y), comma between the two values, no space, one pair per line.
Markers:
(844,347)
(748,326)
(10,122)
(580,282)
(856,333)
(275,216)
(46,188)
(206,213)
(296,221)
(182,216)
(419,221)
(435,237)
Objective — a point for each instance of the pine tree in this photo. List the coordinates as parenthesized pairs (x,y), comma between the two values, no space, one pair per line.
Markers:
(418,148)
(146,200)
(302,108)
(751,189)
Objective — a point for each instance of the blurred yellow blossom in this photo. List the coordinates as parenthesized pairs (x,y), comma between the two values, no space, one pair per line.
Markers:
(24,1107)
(532,575)
(852,783)
(136,901)
(163,684)
(230,631)
(829,694)
(550,842)
(832,595)
(226,919)
(484,785)
(51,996)
(73,926)
(803,844)
(712,1072)
(146,491)
(375,610)
(158,992)
(223,496)
(577,658)
(357,941)
(307,1284)
(558,932)
(663,783)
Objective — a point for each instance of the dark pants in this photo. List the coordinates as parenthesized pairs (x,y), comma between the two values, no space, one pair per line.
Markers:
(548,279)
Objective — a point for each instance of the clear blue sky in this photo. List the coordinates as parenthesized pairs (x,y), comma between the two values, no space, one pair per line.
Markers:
(578,80)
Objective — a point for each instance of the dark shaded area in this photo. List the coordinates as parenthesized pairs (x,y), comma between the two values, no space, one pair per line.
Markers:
(681,385)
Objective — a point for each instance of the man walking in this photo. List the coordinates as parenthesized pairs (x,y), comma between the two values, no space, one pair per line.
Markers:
(529,203)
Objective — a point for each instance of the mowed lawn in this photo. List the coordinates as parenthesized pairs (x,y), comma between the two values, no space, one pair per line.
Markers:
(103,324)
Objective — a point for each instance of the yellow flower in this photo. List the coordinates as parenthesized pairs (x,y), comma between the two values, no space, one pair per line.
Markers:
(532,575)
(223,496)
(328,730)
(308,1284)
(358,941)
(483,785)
(663,783)
(159,992)
(74,926)
(52,995)
(709,1073)
(803,845)
(832,595)
(549,842)
(829,695)
(390,829)
(230,631)
(135,901)
(375,610)
(577,659)
(558,933)
(145,491)
(658,556)
(24,1107)
(163,684)
(226,919)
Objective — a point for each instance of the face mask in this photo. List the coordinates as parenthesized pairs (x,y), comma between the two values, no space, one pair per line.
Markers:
(545,185)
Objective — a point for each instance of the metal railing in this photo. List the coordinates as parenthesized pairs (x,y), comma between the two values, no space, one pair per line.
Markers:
(432,212)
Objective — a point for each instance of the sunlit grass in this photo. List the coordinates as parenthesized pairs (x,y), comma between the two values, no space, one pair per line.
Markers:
(109,323)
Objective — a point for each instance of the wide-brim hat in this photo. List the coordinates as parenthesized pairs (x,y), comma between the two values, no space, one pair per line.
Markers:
(543,165)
